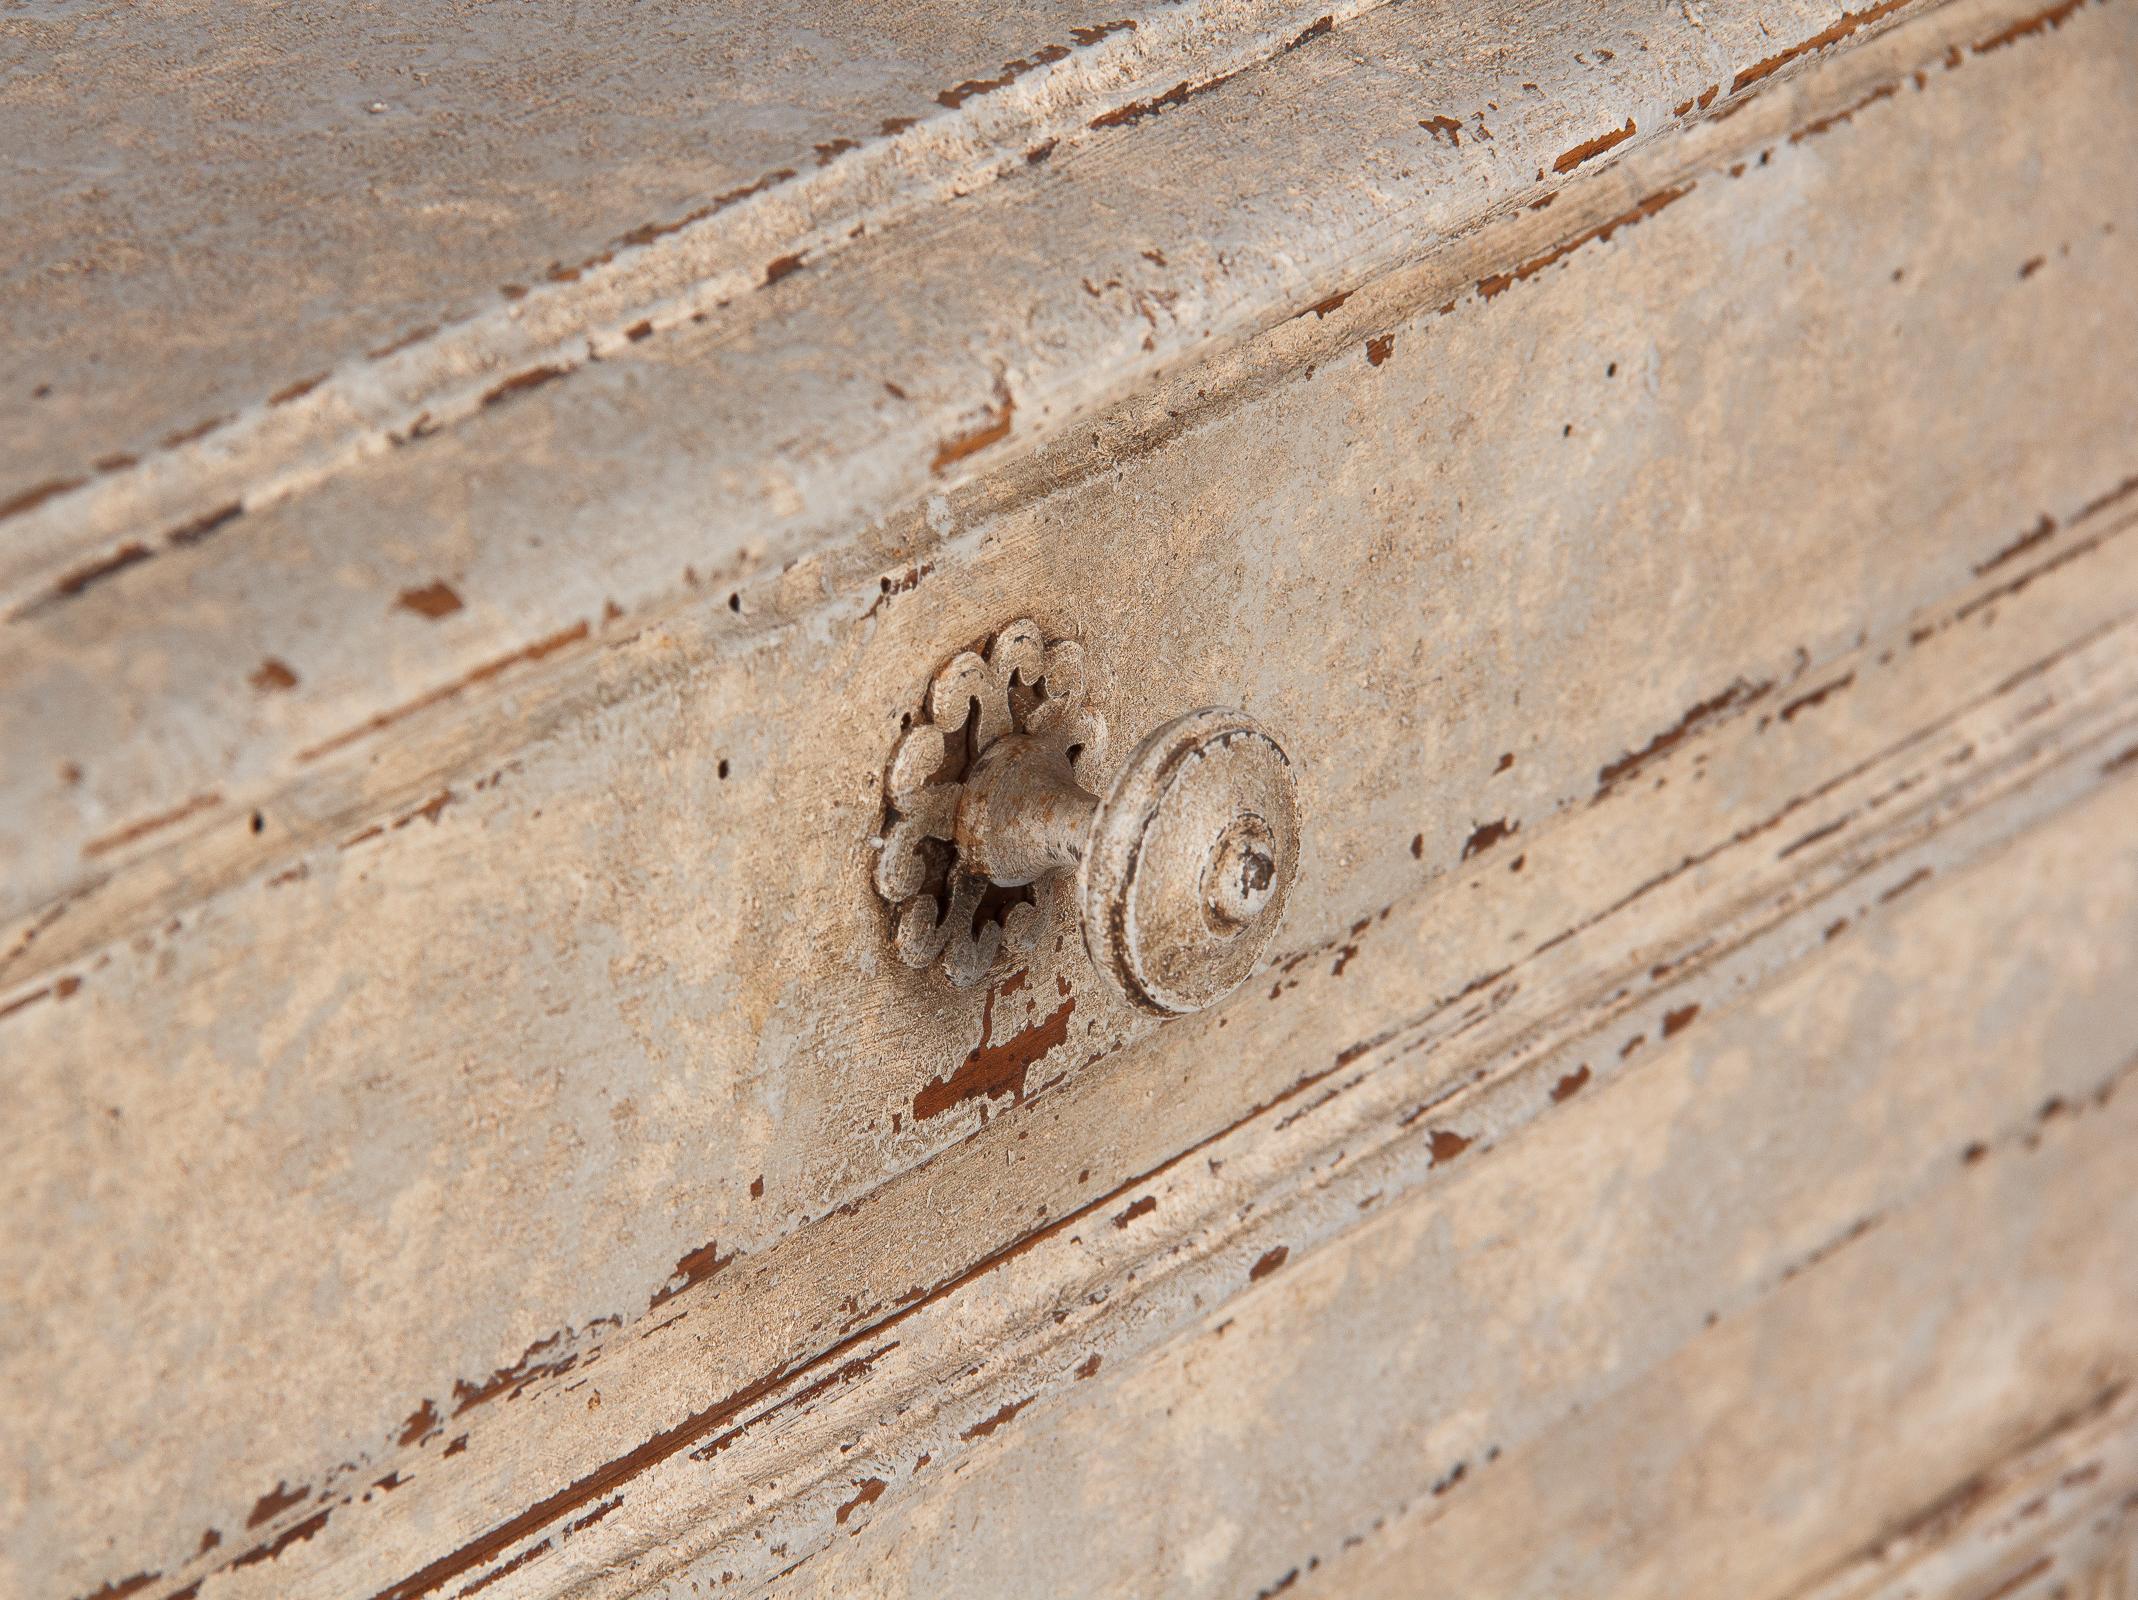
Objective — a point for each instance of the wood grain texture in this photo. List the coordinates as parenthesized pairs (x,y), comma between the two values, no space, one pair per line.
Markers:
(477,1139)
(589,496)
(233,276)
(1698,1329)
(2059,1515)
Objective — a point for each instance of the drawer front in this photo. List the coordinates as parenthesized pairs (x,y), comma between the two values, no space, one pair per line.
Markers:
(476,1132)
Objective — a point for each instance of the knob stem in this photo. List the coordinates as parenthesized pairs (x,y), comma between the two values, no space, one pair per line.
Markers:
(1023,814)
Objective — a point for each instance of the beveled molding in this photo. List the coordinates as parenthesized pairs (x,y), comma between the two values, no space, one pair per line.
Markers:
(857,459)
(909,1392)
(946,1200)
(906,1395)
(923,1380)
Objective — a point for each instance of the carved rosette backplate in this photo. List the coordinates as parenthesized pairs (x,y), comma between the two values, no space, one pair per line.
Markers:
(940,908)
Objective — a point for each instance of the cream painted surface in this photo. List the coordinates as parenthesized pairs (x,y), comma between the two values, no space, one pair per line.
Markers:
(246,230)
(1671,592)
(673,471)
(1706,1329)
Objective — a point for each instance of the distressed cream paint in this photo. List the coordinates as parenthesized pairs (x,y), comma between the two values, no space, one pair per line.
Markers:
(1666,476)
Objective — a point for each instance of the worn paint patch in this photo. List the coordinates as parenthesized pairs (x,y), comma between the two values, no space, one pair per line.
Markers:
(536,1362)
(198,430)
(1136,110)
(135,831)
(194,529)
(520,382)
(1590,149)
(120,1588)
(1313,30)
(272,674)
(980,1430)
(1811,130)
(1499,282)
(868,1492)
(1918,876)
(274,1547)
(296,391)
(694,1268)
(537,651)
(37,494)
(495,1574)
(423,1424)
(433,600)
(1270,1261)
(2043,530)
(593,1516)
(1815,698)
(2052,17)
(1487,835)
(1739,693)
(276,1501)
(78,579)
(995,1069)
(958,94)
(993,430)
(1850,22)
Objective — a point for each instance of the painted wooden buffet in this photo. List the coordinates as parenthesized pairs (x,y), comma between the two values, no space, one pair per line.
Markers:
(934,799)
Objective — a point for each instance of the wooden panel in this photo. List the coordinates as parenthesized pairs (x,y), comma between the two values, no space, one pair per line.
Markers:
(476,1134)
(2057,1517)
(657,473)
(221,266)
(1704,1326)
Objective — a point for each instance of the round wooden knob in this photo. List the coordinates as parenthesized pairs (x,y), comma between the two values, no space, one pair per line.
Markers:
(1188,861)
(1180,870)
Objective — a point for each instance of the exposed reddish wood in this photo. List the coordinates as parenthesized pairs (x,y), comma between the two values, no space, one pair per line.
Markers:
(1589,149)
(1849,23)
(980,1430)
(993,431)
(1499,282)
(996,1068)
(482,674)
(433,600)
